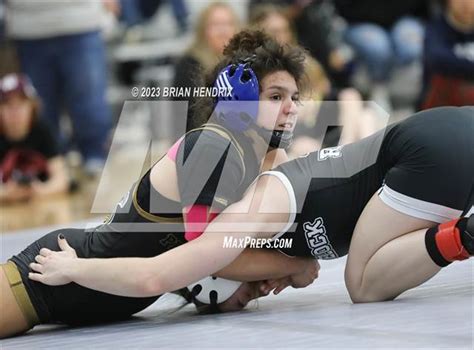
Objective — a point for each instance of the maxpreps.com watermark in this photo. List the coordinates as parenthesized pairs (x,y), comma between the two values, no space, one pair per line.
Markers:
(251,242)
(180,92)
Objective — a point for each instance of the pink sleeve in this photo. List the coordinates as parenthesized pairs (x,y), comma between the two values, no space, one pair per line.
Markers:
(173,151)
(196,219)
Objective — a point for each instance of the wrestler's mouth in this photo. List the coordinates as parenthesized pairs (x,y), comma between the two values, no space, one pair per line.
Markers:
(285,126)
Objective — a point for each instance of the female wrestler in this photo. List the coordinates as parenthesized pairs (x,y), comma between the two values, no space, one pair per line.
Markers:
(400,203)
(204,172)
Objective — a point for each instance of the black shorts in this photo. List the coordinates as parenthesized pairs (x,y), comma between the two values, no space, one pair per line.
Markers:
(433,177)
(72,303)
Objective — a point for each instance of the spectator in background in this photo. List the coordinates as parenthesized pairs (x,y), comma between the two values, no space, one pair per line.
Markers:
(274,21)
(319,29)
(216,24)
(449,57)
(60,48)
(384,34)
(30,165)
(347,111)
(137,12)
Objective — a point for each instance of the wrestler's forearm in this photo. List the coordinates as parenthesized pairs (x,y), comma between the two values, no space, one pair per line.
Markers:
(119,276)
(260,264)
(144,277)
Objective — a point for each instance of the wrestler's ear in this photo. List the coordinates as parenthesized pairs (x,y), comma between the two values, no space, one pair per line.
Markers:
(63,244)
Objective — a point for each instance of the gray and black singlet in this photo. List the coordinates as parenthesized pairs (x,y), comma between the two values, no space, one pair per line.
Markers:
(422,166)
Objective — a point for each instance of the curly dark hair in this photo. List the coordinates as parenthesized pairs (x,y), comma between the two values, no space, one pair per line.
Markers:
(268,56)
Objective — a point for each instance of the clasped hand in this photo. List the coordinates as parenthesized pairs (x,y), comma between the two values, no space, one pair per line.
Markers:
(308,272)
(52,267)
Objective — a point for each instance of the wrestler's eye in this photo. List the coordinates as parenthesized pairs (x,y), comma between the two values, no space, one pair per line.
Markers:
(275,97)
(297,101)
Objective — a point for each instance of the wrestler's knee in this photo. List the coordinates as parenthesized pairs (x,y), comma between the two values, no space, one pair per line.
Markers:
(9,327)
(364,291)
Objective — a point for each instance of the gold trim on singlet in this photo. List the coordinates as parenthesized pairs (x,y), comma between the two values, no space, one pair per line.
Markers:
(218,129)
(21,295)
(228,135)
(151,217)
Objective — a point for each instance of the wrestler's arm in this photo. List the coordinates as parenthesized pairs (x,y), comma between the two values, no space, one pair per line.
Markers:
(260,214)
(262,264)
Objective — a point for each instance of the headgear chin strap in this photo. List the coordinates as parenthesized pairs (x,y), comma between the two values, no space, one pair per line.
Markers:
(275,138)
(240,116)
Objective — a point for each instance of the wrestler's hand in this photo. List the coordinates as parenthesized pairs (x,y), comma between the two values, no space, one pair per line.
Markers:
(51,267)
(306,276)
(247,291)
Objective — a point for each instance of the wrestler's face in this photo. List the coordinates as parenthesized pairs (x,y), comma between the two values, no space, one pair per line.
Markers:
(246,292)
(279,100)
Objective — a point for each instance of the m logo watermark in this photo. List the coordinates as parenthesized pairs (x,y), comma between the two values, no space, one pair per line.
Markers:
(150,149)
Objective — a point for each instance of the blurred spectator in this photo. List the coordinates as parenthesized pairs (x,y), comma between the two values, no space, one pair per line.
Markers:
(449,57)
(137,12)
(273,20)
(320,30)
(216,24)
(384,34)
(60,48)
(315,114)
(30,165)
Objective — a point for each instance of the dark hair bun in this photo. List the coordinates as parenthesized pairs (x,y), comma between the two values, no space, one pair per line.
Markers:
(246,42)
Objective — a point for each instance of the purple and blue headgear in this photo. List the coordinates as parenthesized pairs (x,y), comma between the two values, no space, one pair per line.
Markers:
(239,110)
